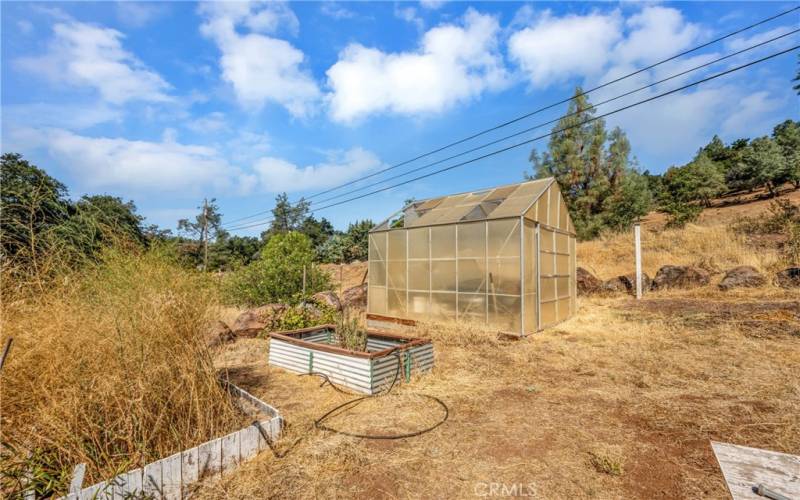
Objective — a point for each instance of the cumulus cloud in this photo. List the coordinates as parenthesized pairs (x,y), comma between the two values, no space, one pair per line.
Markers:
(454,63)
(260,68)
(554,49)
(212,122)
(277,174)
(86,55)
(336,10)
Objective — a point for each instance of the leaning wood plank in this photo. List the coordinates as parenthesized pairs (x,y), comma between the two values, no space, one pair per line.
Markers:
(745,468)
(210,458)
(248,443)
(189,468)
(133,484)
(230,451)
(77,478)
(151,481)
(171,477)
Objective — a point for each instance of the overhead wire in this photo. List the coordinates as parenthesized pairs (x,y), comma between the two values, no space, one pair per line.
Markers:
(536,111)
(528,141)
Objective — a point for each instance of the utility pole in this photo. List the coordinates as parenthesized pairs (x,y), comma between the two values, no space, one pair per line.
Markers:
(204,234)
(637,243)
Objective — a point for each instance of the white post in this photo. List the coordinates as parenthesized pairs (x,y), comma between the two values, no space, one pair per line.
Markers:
(637,236)
(304,282)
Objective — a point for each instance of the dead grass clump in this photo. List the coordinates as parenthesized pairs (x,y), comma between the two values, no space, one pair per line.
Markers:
(607,460)
(109,368)
(715,248)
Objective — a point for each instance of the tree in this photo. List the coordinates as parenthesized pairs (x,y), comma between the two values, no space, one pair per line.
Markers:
(358,240)
(32,205)
(787,137)
(699,180)
(797,77)
(287,216)
(318,230)
(277,275)
(101,220)
(207,225)
(233,252)
(591,166)
(766,164)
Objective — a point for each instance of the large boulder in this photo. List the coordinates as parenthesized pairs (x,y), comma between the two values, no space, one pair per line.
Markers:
(355,296)
(626,284)
(327,299)
(742,276)
(587,282)
(680,277)
(220,333)
(788,278)
(254,321)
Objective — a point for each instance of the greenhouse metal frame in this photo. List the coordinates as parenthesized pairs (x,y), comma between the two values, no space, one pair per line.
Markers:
(503,256)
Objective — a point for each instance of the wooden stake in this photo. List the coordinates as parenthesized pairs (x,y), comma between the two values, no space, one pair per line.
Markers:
(637,237)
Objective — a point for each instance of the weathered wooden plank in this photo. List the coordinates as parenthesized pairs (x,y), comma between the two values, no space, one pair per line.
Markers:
(190,471)
(151,479)
(118,486)
(133,483)
(94,491)
(76,484)
(746,468)
(230,451)
(171,477)
(209,461)
(248,443)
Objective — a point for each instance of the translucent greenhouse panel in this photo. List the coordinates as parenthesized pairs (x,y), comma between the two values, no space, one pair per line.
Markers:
(443,275)
(418,305)
(562,287)
(543,204)
(418,247)
(472,240)
(547,263)
(530,313)
(505,312)
(504,276)
(397,274)
(546,236)
(472,307)
(548,291)
(562,264)
(377,246)
(419,275)
(563,309)
(548,313)
(471,275)
(377,273)
(573,306)
(503,238)
(443,306)
(377,299)
(555,198)
(396,303)
(529,252)
(443,242)
(397,245)
(532,212)
(563,215)
(562,243)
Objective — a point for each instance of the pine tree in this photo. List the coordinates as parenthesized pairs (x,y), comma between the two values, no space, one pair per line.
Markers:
(766,164)
(787,136)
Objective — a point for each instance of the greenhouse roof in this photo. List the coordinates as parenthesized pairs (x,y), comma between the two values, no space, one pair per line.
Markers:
(512,200)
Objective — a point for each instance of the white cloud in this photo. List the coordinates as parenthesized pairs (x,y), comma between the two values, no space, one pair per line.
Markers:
(554,49)
(432,4)
(655,33)
(409,15)
(753,112)
(25,27)
(277,174)
(454,63)
(136,166)
(85,55)
(212,122)
(138,14)
(336,11)
(260,68)
(73,116)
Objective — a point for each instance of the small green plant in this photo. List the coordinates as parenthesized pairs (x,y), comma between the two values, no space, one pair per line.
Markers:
(304,316)
(351,335)
(607,461)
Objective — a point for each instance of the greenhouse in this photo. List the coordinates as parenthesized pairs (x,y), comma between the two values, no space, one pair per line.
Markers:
(504,257)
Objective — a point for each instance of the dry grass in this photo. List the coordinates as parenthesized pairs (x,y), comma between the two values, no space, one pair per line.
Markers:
(109,368)
(618,402)
(715,248)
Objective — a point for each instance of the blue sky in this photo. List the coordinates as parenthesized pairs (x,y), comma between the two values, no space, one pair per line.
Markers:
(169,102)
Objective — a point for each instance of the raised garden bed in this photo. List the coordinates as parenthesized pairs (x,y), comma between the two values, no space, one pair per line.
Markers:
(317,350)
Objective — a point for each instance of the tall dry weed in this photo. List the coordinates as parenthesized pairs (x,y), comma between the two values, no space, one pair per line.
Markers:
(109,367)
(716,248)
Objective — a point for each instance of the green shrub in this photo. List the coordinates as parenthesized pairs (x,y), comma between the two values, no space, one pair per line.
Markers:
(303,316)
(277,275)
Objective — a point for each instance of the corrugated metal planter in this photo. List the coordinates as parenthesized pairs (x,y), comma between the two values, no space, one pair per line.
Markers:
(314,350)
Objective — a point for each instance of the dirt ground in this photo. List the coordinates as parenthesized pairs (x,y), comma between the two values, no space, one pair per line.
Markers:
(620,401)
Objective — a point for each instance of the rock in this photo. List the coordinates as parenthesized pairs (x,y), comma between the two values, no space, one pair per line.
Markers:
(220,333)
(587,282)
(625,284)
(788,278)
(328,299)
(253,321)
(742,276)
(680,277)
(355,296)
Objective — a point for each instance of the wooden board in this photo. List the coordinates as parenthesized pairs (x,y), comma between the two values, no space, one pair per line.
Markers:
(745,468)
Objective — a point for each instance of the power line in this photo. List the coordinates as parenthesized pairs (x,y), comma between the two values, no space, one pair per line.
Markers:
(530,129)
(508,148)
(549,106)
